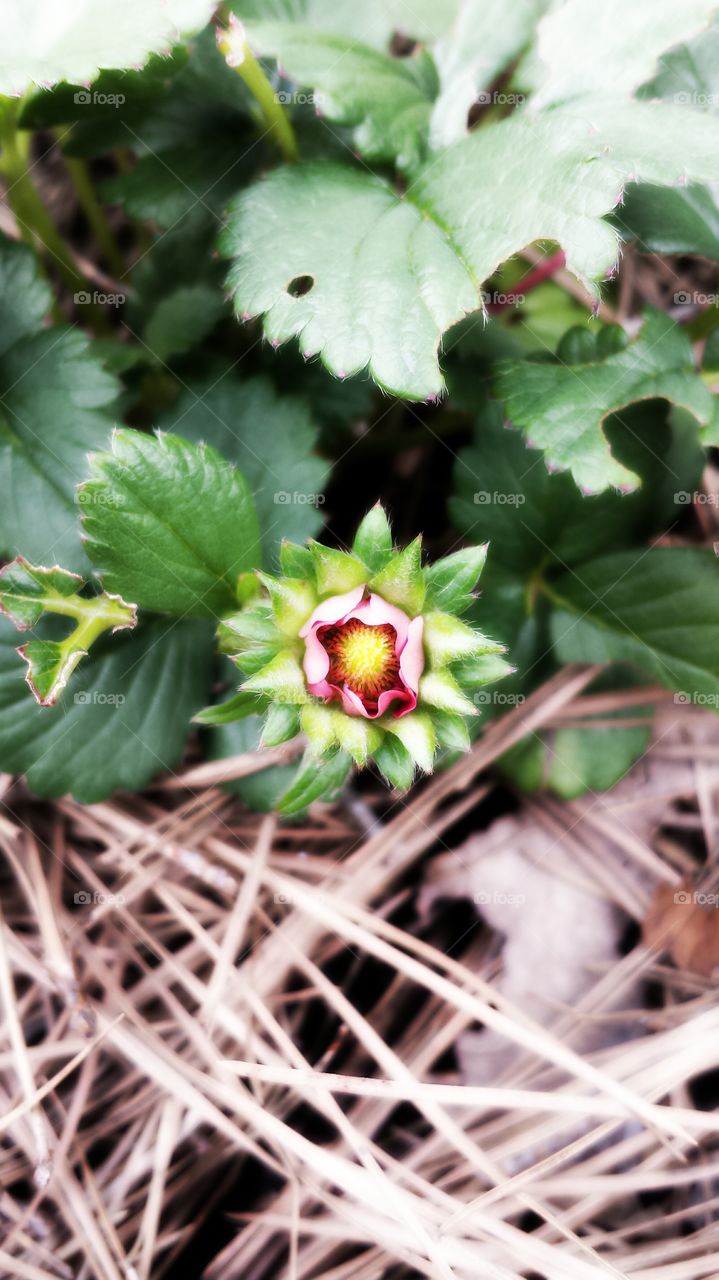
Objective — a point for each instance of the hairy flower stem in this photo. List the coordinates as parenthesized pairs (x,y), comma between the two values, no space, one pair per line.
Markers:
(33,220)
(93,211)
(232,44)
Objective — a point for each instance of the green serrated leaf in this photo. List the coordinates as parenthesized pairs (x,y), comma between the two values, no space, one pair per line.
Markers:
(563,409)
(181,319)
(385,101)
(316,780)
(485,669)
(579,55)
(658,611)
(421,258)
(272,438)
(401,581)
(170,524)
(126,722)
(54,407)
(39,50)
(532,519)
(451,580)
(373,540)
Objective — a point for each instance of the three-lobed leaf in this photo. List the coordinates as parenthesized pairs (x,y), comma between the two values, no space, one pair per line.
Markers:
(562,408)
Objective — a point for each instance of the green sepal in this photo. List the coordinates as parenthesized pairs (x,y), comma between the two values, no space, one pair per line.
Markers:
(359,737)
(282,680)
(451,730)
(401,581)
(317,779)
(296,561)
(319,724)
(484,669)
(27,592)
(395,763)
(447,639)
(373,540)
(416,733)
(255,658)
(336,571)
(238,707)
(451,580)
(281,724)
(253,626)
(293,600)
(440,689)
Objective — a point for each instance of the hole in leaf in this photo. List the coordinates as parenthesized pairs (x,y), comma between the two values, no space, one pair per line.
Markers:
(301,285)
(402,46)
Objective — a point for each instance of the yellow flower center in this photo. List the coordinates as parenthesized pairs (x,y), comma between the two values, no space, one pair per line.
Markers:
(362,657)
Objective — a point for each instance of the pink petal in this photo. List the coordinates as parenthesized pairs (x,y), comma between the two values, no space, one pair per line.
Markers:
(322,689)
(375,612)
(316,661)
(352,704)
(406,696)
(335,609)
(411,661)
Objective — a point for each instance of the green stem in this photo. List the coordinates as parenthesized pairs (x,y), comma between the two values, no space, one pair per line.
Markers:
(34,221)
(233,46)
(95,214)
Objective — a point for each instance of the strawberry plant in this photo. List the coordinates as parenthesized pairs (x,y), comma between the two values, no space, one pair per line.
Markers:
(274,270)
